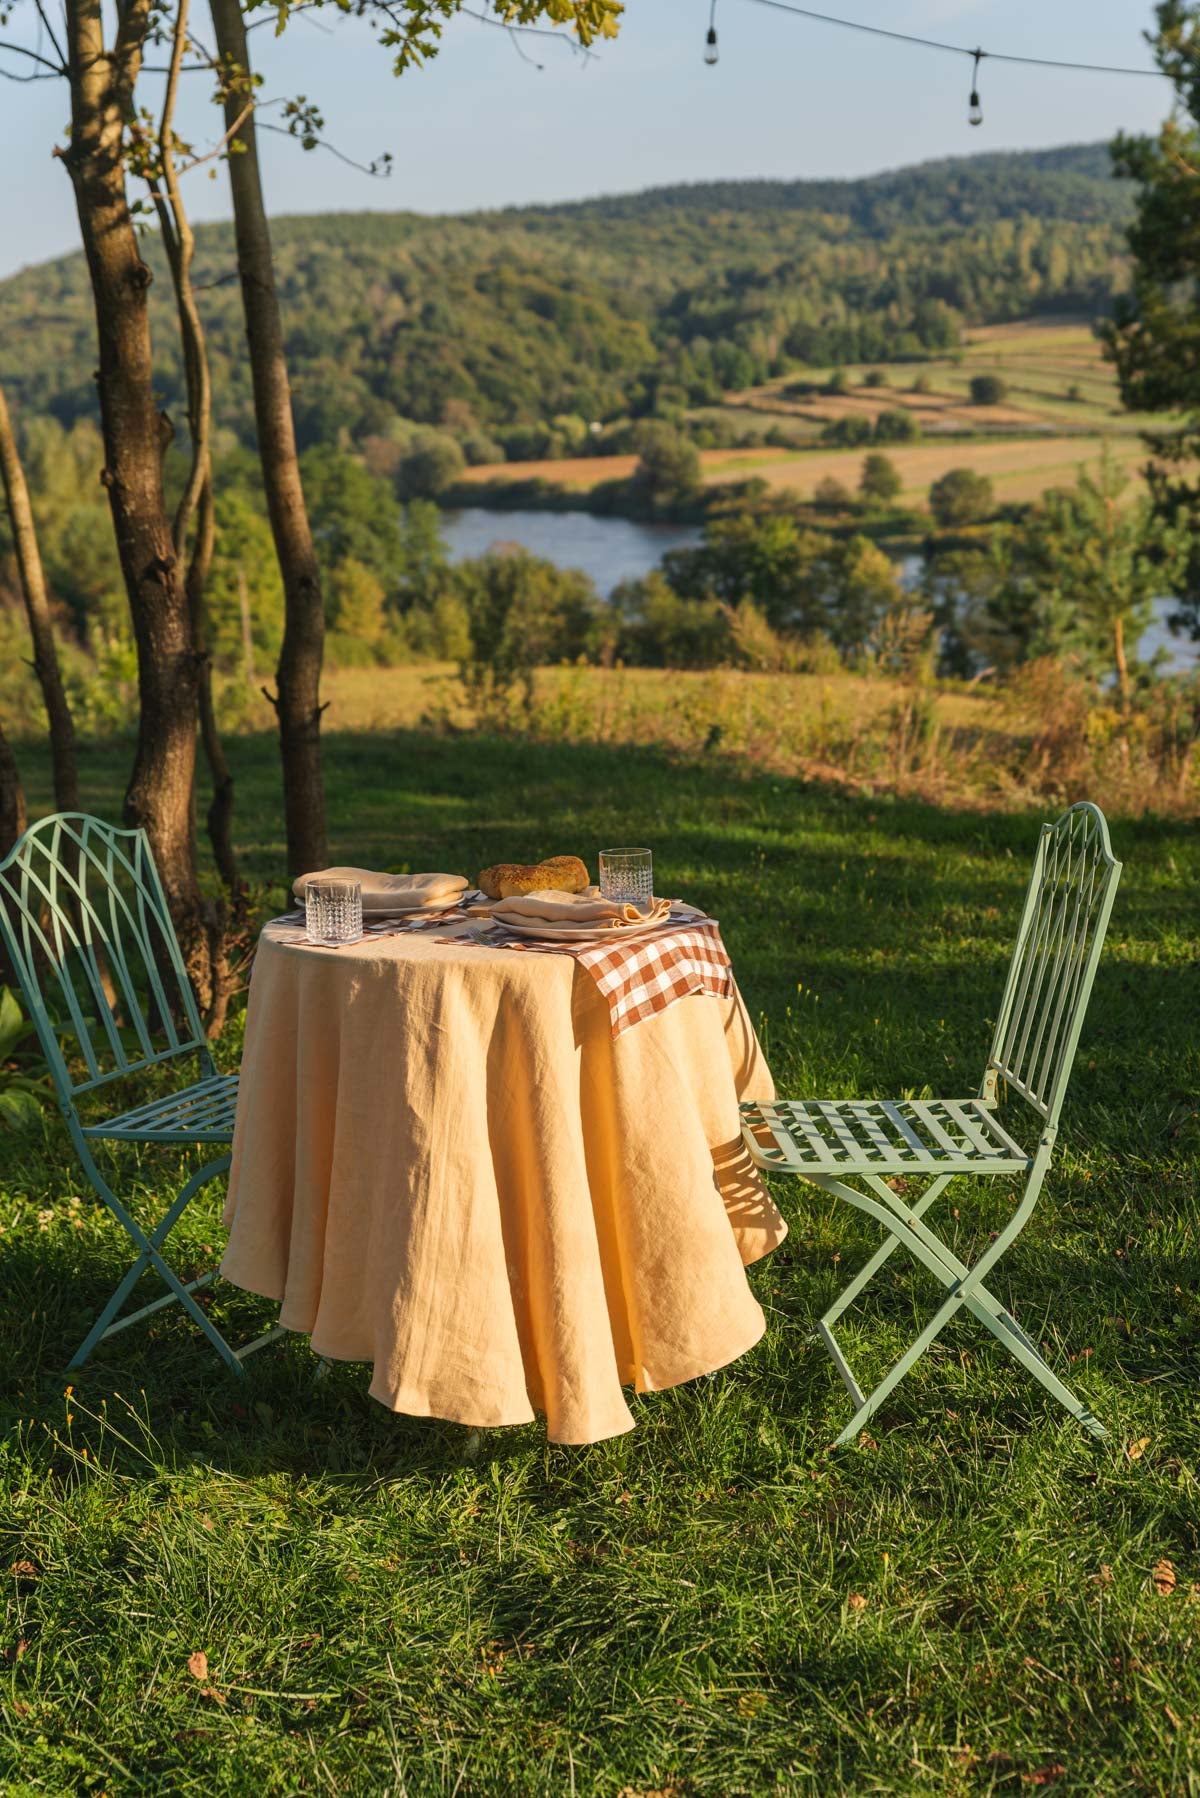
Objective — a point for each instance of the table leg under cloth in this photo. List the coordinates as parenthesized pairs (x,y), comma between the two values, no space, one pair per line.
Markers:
(444,1165)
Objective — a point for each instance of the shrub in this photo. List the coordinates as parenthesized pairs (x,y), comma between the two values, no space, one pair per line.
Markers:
(875,377)
(879,483)
(831,496)
(897,427)
(960,497)
(850,431)
(668,469)
(434,463)
(988,390)
(521,612)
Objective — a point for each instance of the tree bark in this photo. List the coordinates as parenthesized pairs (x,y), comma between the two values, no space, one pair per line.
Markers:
(298,676)
(41,626)
(196,502)
(159,795)
(12,797)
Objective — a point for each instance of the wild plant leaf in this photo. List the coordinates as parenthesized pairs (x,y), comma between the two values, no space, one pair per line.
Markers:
(18,1106)
(13,1027)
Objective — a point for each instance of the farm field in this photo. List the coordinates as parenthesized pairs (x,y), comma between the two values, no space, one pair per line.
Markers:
(1039,438)
(1020,468)
(1055,372)
(976,1600)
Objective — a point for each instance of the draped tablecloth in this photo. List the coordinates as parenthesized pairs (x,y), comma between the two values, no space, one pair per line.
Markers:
(444,1165)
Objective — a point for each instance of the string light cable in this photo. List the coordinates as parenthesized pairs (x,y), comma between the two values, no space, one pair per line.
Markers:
(929,43)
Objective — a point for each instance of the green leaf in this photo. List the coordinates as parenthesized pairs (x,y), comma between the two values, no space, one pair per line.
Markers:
(12,1023)
(18,1109)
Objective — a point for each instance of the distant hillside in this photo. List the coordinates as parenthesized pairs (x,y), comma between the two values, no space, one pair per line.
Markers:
(496,324)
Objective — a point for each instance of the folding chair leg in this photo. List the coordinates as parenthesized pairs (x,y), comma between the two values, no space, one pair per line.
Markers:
(149,1256)
(866,1274)
(1006,1330)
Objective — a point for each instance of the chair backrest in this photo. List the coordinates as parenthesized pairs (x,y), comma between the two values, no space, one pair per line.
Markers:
(1054,963)
(86,925)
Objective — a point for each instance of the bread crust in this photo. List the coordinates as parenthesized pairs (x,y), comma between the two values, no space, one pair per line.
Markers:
(508,880)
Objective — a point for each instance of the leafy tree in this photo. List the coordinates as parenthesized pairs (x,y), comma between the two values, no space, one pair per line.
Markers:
(879,483)
(424,558)
(244,587)
(988,390)
(658,627)
(875,377)
(434,463)
(668,469)
(356,597)
(1100,562)
(749,558)
(960,497)
(851,431)
(353,514)
(837,382)
(1153,335)
(863,590)
(897,426)
(522,612)
(830,495)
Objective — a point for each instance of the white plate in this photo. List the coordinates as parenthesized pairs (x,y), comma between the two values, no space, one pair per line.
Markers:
(534,931)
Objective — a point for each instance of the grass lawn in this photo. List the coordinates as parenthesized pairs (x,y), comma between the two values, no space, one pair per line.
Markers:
(983,1599)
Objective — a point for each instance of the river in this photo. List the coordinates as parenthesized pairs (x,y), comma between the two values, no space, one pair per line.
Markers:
(611,550)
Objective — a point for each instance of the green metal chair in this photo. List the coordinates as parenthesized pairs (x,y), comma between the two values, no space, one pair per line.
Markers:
(832,1141)
(86,926)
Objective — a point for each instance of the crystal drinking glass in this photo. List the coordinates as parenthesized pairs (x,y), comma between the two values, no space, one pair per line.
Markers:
(333,911)
(627,876)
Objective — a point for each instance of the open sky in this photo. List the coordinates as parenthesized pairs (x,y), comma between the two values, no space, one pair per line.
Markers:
(482,127)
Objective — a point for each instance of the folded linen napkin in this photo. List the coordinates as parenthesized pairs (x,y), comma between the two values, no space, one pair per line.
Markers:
(403,892)
(577,908)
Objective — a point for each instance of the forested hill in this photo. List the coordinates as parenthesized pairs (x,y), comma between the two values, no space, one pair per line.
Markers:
(493,325)
(1073,182)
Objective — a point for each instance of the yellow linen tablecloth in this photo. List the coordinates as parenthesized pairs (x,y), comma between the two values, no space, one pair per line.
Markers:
(444,1165)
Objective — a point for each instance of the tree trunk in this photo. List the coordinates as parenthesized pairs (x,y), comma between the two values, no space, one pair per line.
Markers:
(196,503)
(1121,661)
(298,677)
(159,795)
(41,627)
(247,630)
(12,797)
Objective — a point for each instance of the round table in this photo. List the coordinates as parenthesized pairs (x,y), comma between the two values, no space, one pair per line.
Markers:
(445,1165)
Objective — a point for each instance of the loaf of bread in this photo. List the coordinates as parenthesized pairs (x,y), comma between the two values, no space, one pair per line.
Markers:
(507,880)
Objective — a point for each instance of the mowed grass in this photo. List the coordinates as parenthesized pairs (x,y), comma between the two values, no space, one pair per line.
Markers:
(980,1599)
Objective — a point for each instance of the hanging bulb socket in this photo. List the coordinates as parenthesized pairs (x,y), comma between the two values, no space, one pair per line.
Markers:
(974,109)
(710,40)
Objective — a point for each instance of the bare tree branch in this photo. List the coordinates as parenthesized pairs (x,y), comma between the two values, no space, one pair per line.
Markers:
(58,49)
(34,56)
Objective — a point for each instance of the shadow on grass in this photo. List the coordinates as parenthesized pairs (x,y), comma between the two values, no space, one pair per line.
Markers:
(900,913)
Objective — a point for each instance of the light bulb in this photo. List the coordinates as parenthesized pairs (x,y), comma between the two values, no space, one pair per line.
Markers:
(710,46)
(975,114)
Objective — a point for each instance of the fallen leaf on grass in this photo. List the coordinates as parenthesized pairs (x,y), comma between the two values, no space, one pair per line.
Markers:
(1137,1449)
(24,1570)
(1164,1578)
(211,1692)
(198,1664)
(857,1602)
(1044,1776)
(1105,1575)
